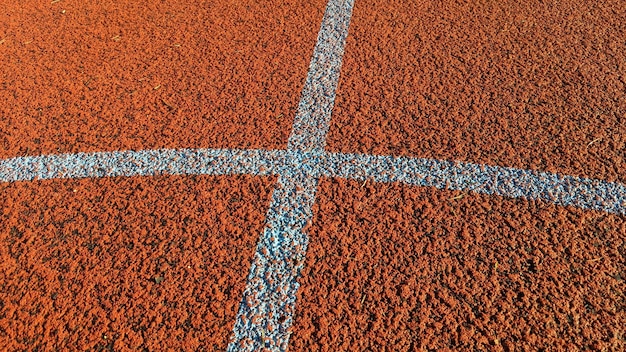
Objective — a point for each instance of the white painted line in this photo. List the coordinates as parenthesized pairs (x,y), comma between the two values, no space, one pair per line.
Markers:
(143,163)
(565,190)
(312,120)
(579,192)
(266,310)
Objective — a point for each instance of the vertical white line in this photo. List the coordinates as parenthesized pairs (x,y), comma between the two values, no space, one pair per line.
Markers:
(311,123)
(266,310)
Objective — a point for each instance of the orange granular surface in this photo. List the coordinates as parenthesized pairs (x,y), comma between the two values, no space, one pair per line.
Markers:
(529,84)
(399,268)
(154,263)
(82,76)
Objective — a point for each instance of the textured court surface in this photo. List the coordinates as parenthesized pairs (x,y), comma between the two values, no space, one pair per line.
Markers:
(127,262)
(524,84)
(117,75)
(348,175)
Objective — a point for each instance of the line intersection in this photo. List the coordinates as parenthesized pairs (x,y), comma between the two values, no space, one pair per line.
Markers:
(266,310)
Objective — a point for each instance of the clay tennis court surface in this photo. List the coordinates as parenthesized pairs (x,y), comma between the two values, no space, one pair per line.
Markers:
(161,262)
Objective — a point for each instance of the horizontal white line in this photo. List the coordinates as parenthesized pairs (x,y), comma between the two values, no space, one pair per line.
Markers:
(564,190)
(503,181)
(142,163)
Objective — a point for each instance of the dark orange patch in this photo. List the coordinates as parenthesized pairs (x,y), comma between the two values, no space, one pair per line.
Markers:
(116,75)
(401,268)
(126,263)
(528,84)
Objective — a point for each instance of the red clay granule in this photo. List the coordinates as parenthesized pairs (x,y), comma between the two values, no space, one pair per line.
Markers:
(529,84)
(95,75)
(396,268)
(155,263)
